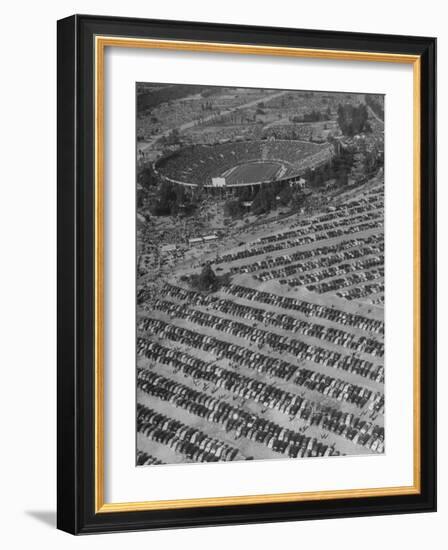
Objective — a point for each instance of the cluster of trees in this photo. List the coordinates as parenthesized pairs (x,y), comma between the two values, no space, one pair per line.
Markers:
(146,176)
(358,162)
(313,116)
(367,160)
(171,199)
(147,183)
(352,119)
(207,280)
(338,170)
(264,198)
(286,196)
(341,166)
(233,208)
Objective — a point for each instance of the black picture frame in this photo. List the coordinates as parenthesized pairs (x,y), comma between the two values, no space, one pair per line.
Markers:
(75,271)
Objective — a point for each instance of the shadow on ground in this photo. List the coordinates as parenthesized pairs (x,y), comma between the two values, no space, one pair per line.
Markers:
(48,517)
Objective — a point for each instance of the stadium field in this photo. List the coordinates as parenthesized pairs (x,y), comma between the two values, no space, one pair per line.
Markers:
(252,172)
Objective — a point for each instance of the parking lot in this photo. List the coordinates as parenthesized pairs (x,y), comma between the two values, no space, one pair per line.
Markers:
(283,361)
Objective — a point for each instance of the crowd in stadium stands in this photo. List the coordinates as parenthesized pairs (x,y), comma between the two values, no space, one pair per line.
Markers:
(301,350)
(144,459)
(308,308)
(286,259)
(245,387)
(199,163)
(291,324)
(303,131)
(292,151)
(244,424)
(190,442)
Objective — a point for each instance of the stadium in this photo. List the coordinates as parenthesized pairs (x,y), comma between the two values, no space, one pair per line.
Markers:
(238,164)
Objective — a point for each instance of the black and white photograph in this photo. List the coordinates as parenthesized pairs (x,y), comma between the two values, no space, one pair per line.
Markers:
(260,274)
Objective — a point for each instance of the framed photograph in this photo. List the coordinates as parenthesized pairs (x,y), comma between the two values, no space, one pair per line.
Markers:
(246,274)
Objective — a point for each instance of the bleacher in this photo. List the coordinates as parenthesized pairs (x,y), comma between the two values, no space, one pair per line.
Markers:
(199,163)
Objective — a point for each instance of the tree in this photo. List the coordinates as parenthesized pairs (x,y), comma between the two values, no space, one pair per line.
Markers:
(164,199)
(207,279)
(263,200)
(141,199)
(352,119)
(232,208)
(298,200)
(285,195)
(173,137)
(341,166)
(197,192)
(244,193)
(146,176)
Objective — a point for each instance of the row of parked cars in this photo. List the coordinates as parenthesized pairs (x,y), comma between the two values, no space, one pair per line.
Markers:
(190,442)
(282,321)
(263,250)
(310,309)
(323,261)
(244,424)
(277,343)
(144,459)
(345,209)
(359,292)
(269,395)
(342,282)
(252,426)
(318,227)
(316,277)
(285,260)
